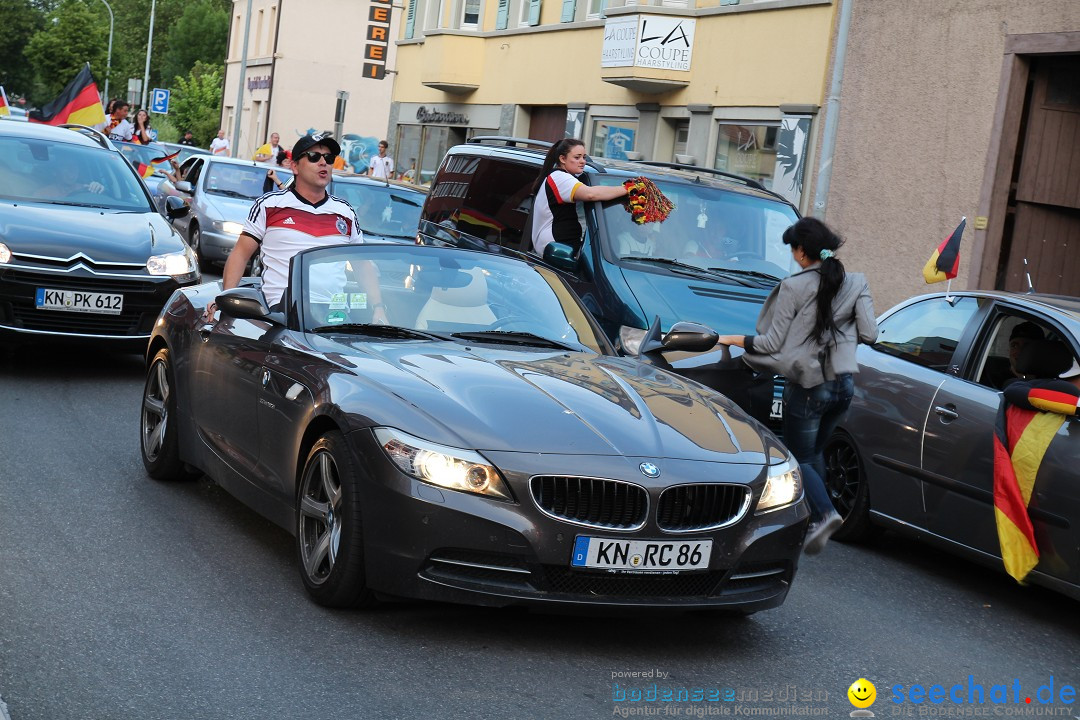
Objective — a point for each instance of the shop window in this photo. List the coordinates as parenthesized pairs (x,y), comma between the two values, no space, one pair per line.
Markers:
(772,154)
(613,138)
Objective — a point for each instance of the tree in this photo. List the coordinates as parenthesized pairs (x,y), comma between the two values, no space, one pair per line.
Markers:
(197,102)
(20,20)
(201,33)
(74,34)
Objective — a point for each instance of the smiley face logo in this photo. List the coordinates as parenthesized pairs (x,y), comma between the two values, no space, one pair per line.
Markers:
(862,693)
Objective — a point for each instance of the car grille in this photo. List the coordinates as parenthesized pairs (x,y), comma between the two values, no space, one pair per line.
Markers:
(608,504)
(142,303)
(686,508)
(564,581)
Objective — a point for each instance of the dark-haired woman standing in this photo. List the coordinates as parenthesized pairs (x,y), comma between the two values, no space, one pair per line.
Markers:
(558,190)
(808,331)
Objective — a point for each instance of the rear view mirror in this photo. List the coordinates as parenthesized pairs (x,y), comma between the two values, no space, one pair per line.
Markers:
(561,256)
(244,302)
(185,187)
(683,336)
(175,207)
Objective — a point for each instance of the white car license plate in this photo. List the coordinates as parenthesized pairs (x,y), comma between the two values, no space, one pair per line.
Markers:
(78,301)
(777,410)
(641,555)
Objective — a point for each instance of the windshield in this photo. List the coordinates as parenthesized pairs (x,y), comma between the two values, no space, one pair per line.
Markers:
(142,158)
(709,228)
(380,209)
(240,181)
(443,291)
(46,171)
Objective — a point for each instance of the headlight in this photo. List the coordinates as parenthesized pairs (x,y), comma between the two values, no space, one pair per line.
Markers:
(233,228)
(447,467)
(630,339)
(5,254)
(175,264)
(782,488)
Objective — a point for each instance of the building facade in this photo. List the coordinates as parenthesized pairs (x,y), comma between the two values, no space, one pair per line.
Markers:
(960,108)
(292,80)
(734,86)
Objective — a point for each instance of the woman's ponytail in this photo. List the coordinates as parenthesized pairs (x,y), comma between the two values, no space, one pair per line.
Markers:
(819,242)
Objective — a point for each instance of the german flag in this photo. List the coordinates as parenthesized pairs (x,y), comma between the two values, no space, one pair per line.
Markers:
(3,102)
(944,264)
(165,158)
(79,103)
(1020,442)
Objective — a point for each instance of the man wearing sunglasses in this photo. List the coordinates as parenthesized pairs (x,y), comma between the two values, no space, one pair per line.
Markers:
(303,216)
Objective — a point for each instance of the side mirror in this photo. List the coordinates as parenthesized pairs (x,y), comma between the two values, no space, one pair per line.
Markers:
(247,303)
(561,256)
(683,336)
(175,207)
(690,337)
(185,187)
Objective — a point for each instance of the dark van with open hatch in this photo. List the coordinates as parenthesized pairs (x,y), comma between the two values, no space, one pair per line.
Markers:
(713,261)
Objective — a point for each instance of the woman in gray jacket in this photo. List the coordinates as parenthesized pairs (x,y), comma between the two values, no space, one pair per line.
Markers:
(807,331)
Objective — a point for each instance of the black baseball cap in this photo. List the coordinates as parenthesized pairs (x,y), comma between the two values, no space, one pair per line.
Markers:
(313,139)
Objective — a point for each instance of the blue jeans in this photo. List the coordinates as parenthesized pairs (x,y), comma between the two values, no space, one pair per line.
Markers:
(810,416)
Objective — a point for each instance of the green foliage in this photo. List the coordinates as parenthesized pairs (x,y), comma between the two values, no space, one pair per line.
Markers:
(201,34)
(20,19)
(196,103)
(75,34)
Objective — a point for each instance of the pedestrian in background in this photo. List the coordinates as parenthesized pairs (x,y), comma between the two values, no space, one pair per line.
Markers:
(141,132)
(808,330)
(268,152)
(219,145)
(409,175)
(187,139)
(116,125)
(382,165)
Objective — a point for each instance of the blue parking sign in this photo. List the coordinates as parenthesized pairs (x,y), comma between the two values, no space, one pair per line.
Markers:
(159,101)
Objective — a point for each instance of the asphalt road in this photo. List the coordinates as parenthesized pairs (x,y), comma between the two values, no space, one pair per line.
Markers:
(122,597)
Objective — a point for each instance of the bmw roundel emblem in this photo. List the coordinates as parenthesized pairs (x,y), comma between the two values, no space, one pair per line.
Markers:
(649,470)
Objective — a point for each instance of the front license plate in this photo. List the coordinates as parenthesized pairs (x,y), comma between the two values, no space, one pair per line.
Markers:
(777,410)
(641,555)
(78,301)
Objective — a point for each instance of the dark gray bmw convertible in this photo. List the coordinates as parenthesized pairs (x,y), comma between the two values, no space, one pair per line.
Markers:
(484,445)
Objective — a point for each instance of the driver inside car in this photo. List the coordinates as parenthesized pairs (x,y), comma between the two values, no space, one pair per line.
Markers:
(67,180)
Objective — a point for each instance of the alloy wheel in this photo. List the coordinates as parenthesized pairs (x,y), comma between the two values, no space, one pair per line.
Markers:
(843,474)
(155,412)
(320,518)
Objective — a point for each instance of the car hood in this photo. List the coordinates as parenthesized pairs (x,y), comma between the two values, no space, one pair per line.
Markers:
(219,207)
(723,306)
(510,400)
(60,231)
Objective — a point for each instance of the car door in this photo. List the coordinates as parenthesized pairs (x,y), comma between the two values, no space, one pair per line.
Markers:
(229,369)
(898,380)
(958,456)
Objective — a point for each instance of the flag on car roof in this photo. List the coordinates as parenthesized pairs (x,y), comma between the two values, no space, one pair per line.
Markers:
(78,103)
(1020,442)
(945,262)
(3,102)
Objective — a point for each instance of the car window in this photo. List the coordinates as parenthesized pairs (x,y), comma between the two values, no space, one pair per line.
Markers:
(487,198)
(246,182)
(60,173)
(708,228)
(926,332)
(996,364)
(191,170)
(143,156)
(443,292)
(386,210)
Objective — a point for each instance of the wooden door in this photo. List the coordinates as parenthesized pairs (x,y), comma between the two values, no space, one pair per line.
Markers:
(1046,211)
(547,122)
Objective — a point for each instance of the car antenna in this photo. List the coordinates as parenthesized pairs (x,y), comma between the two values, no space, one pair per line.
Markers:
(1031,288)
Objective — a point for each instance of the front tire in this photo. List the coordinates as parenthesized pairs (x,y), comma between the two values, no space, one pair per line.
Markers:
(846,482)
(195,241)
(158,438)
(329,535)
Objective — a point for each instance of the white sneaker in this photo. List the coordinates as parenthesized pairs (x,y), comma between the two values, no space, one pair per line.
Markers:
(819,533)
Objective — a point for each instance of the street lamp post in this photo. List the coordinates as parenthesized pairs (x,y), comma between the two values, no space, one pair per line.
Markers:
(149,48)
(108,61)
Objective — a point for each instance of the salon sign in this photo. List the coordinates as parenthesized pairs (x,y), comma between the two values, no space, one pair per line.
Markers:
(663,42)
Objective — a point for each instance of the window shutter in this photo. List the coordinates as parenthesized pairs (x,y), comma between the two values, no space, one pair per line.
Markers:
(503,15)
(568,8)
(410,19)
(534,12)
